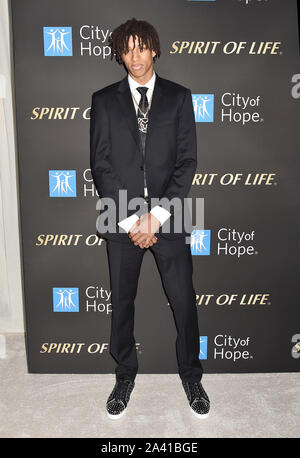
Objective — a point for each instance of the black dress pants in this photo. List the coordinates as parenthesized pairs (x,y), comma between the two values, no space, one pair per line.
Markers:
(174,261)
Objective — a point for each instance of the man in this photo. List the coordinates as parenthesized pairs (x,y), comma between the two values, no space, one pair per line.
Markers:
(143,142)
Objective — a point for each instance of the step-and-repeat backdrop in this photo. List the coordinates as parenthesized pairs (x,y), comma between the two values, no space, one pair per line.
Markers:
(240,58)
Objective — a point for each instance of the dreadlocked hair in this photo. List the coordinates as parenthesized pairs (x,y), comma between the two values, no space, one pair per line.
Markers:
(145,32)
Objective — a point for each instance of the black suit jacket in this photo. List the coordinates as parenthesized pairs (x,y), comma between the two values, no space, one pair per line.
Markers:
(116,158)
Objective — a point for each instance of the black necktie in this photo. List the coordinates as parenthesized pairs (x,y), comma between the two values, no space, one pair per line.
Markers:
(142,113)
(142,117)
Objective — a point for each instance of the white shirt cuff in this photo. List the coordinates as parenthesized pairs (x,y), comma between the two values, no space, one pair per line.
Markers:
(160,213)
(127,223)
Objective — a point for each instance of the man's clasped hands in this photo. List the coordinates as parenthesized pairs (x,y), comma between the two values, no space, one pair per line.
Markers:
(142,232)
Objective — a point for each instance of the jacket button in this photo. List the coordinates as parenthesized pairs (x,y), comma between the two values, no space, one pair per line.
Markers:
(141,167)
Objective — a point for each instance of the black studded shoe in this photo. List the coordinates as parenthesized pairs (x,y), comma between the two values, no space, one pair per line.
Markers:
(118,399)
(197,397)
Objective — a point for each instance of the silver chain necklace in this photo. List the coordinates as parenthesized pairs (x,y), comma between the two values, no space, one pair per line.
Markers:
(149,104)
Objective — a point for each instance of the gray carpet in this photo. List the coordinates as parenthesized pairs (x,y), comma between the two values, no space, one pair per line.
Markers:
(242,405)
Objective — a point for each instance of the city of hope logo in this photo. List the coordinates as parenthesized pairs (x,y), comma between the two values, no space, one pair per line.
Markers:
(203,107)
(203,347)
(295,352)
(200,242)
(62,183)
(58,41)
(65,300)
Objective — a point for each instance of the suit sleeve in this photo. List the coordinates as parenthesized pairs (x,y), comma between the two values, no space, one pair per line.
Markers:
(106,180)
(186,162)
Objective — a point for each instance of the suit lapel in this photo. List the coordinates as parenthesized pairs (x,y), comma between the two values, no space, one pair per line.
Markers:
(124,97)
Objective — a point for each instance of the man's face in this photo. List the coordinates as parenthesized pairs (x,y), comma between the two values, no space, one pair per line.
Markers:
(138,63)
